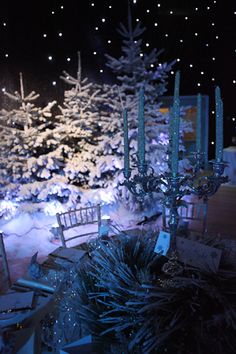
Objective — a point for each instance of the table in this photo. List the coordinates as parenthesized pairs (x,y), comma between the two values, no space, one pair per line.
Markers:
(229,155)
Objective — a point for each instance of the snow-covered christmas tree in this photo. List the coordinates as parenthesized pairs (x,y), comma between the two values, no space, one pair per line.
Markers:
(92,117)
(81,129)
(31,156)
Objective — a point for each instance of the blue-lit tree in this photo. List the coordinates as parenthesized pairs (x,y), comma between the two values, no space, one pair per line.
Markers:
(86,121)
(31,156)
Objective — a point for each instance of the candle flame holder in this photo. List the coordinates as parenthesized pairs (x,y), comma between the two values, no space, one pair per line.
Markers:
(206,186)
(198,157)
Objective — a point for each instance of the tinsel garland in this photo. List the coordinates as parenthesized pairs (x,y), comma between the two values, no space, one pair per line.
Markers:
(135,301)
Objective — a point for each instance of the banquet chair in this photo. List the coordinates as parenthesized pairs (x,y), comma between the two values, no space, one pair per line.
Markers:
(74,218)
(5,278)
(194,213)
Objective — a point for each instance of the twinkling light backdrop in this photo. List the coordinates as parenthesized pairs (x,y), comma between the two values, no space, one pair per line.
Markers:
(41,39)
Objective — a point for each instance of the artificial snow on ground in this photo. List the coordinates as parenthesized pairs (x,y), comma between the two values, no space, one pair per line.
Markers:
(29,233)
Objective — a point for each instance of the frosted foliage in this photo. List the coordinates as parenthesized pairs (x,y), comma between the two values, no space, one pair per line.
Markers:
(45,157)
(32,155)
(135,67)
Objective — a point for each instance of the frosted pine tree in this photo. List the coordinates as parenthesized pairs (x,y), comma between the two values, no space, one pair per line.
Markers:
(31,157)
(91,127)
(136,69)
(79,127)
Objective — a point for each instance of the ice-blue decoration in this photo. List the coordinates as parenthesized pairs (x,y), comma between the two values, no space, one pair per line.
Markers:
(175,127)
(219,126)
(199,124)
(141,130)
(163,243)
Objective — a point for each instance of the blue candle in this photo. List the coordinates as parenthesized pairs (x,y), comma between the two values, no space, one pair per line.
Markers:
(170,134)
(199,123)
(141,130)
(175,128)
(219,126)
(126,145)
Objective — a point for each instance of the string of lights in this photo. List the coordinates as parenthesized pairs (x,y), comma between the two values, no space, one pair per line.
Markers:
(42,40)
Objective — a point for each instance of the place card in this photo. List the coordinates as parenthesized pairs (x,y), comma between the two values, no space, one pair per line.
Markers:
(198,255)
(163,243)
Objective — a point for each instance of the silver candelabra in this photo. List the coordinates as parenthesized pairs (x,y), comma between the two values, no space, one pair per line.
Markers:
(172,185)
(142,180)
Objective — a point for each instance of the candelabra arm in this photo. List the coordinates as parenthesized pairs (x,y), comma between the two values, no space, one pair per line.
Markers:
(206,186)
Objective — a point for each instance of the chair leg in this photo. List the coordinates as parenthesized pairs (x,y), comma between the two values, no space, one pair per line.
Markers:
(205,211)
(60,231)
(6,272)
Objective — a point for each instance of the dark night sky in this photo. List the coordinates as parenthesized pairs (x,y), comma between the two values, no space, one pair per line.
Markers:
(201,34)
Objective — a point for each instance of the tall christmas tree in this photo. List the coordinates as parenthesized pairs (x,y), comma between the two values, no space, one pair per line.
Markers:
(80,128)
(135,68)
(95,161)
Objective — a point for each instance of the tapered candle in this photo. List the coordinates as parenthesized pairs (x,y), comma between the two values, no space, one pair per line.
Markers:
(126,145)
(175,128)
(219,126)
(199,124)
(170,135)
(141,130)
